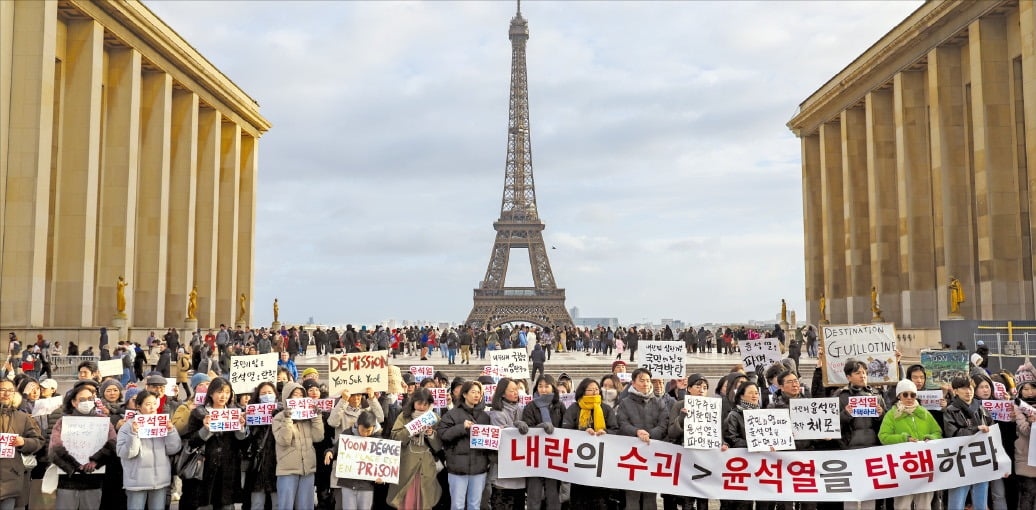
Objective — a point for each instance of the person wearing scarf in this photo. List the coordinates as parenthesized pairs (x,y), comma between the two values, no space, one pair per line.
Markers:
(14,485)
(965,416)
(745,397)
(909,422)
(696,386)
(589,413)
(642,415)
(505,412)
(1024,417)
(547,412)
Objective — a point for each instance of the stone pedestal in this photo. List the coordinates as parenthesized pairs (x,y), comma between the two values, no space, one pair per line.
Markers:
(121,324)
(955,317)
(190,325)
(824,322)
(785,326)
(239,324)
(276,326)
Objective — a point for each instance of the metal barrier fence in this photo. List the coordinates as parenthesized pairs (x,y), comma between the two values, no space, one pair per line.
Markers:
(66,366)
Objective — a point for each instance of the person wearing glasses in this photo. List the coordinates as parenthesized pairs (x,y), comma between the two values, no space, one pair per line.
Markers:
(909,422)
(14,483)
(696,386)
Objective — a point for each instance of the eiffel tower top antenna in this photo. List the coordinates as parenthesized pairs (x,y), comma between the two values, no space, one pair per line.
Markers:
(519,7)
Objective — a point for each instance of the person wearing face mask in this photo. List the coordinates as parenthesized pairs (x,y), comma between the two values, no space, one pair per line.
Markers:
(643,416)
(610,386)
(80,486)
(296,458)
(965,416)
(505,412)
(147,471)
(1024,417)
(418,488)
(221,478)
(909,422)
(15,480)
(547,412)
(260,451)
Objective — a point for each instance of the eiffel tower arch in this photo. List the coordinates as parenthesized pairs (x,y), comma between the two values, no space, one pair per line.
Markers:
(519,226)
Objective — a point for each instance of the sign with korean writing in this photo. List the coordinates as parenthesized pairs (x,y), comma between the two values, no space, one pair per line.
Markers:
(46,406)
(1000,391)
(260,414)
(301,408)
(83,436)
(421,423)
(199,398)
(324,404)
(767,429)
(877,472)
(873,344)
(368,458)
(246,372)
(492,371)
(940,367)
(110,367)
(524,398)
(358,371)
(7,445)
(224,420)
(665,360)
(702,424)
(930,399)
(763,352)
(567,399)
(485,437)
(815,418)
(441,397)
(1000,410)
(625,376)
(422,372)
(864,406)
(513,363)
(152,425)
(129,414)
(487,393)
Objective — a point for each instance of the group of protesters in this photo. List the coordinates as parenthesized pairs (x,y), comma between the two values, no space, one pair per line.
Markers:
(290,463)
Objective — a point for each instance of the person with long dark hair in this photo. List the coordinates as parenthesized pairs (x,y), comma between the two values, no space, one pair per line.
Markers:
(80,486)
(221,478)
(546,412)
(418,488)
(505,412)
(260,452)
(589,413)
(466,467)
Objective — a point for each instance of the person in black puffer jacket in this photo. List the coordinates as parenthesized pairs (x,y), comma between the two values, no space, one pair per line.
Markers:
(545,411)
(965,416)
(859,432)
(467,468)
(640,414)
(734,435)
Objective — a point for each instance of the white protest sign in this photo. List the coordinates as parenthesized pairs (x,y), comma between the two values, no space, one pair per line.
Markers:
(513,363)
(421,423)
(7,445)
(246,372)
(422,372)
(930,399)
(873,344)
(702,428)
(83,436)
(665,360)
(568,399)
(260,414)
(224,420)
(625,376)
(110,367)
(864,406)
(46,406)
(815,418)
(129,414)
(1000,391)
(441,397)
(324,404)
(485,437)
(368,458)
(301,408)
(199,398)
(1000,410)
(358,371)
(152,425)
(170,387)
(487,393)
(763,352)
(768,428)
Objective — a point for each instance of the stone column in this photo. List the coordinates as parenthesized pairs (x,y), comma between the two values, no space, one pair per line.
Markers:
(246,218)
(71,296)
(996,177)
(229,188)
(25,156)
(117,211)
(883,201)
(951,179)
(207,216)
(813,230)
(183,182)
(916,228)
(834,221)
(153,201)
(857,222)
(1027,22)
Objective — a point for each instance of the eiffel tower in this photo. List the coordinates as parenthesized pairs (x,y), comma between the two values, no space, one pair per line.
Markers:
(519,225)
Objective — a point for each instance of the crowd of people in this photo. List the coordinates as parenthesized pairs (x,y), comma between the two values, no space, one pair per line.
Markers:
(290,463)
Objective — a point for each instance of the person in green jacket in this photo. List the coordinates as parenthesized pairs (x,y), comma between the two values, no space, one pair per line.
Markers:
(909,422)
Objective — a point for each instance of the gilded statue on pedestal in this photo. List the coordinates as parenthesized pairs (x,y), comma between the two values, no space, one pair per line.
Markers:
(276,310)
(823,307)
(120,296)
(956,295)
(192,303)
(241,312)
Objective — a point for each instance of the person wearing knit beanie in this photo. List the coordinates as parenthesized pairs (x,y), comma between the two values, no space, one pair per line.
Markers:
(199,378)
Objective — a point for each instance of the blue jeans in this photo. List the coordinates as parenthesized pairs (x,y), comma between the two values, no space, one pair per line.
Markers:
(453,355)
(359,500)
(466,491)
(979,493)
(295,491)
(155,499)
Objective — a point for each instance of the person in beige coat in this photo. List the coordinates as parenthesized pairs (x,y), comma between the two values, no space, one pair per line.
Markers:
(1024,417)
(14,481)
(296,457)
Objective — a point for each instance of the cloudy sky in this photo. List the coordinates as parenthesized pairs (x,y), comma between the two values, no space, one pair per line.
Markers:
(665,174)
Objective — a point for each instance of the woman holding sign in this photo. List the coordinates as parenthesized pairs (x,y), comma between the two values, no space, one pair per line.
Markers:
(505,412)
(261,451)
(466,467)
(1024,417)
(212,428)
(296,459)
(145,460)
(545,411)
(80,487)
(420,490)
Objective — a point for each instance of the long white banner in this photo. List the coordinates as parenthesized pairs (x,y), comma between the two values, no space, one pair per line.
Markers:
(844,475)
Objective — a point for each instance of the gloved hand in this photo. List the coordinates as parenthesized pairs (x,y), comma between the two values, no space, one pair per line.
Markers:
(523,428)
(548,428)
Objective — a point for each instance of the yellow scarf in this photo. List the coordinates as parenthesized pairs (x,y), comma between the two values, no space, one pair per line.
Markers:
(591,404)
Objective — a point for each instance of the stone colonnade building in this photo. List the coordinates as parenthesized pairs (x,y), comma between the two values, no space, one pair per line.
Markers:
(123,152)
(916,168)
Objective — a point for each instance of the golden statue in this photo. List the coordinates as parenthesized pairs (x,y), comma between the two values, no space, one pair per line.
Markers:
(956,295)
(276,309)
(120,296)
(241,312)
(875,309)
(784,311)
(823,308)
(192,303)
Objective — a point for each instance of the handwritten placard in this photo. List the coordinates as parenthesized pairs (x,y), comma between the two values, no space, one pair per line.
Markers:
(930,399)
(1001,410)
(485,437)
(768,429)
(7,445)
(224,420)
(246,372)
(421,423)
(873,344)
(513,363)
(368,458)
(301,408)
(665,360)
(863,406)
(759,353)
(815,418)
(940,367)
(441,396)
(83,436)
(422,372)
(152,425)
(110,367)
(358,371)
(260,414)
(702,429)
